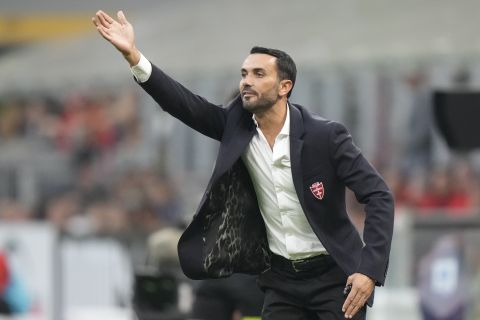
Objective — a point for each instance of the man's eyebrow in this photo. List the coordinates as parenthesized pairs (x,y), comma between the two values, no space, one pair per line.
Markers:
(253,69)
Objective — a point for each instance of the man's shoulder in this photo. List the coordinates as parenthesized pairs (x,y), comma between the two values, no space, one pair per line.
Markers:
(314,120)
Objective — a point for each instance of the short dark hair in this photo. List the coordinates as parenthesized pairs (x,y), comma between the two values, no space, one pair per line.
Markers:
(287,70)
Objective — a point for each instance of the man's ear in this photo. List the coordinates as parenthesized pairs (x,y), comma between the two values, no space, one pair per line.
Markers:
(285,87)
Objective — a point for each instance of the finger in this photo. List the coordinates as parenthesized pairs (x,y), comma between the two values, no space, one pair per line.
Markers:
(350,279)
(104,33)
(121,18)
(102,18)
(97,20)
(353,312)
(106,16)
(354,306)
(352,298)
(349,300)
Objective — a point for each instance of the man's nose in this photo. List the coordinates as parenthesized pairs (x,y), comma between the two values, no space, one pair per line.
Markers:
(245,82)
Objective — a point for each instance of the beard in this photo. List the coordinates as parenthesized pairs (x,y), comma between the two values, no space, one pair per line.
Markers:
(260,104)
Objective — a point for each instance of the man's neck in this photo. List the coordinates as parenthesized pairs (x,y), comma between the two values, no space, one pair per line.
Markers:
(272,120)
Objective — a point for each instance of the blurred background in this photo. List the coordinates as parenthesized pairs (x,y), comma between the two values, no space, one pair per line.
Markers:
(96,183)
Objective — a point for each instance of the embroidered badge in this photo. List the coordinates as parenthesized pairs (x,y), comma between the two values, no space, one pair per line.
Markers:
(318,190)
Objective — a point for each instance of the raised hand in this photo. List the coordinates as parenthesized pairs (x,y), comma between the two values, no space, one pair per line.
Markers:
(119,33)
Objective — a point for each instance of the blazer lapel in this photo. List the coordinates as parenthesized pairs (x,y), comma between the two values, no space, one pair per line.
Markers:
(296,146)
(234,143)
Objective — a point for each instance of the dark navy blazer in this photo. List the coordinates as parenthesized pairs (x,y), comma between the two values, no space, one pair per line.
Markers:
(227,233)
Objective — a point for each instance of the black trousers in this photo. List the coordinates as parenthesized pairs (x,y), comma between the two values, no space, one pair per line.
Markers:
(218,299)
(311,290)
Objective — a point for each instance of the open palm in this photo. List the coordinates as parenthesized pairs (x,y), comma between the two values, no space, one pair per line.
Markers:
(119,33)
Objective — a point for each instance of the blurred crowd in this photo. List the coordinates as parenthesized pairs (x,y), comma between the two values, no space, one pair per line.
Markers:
(452,190)
(95,170)
(89,168)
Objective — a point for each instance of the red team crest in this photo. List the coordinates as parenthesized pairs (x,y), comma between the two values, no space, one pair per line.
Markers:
(318,190)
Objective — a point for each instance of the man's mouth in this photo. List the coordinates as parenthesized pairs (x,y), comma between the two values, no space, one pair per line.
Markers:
(248,93)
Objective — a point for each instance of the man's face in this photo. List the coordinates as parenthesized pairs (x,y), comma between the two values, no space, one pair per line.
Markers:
(260,84)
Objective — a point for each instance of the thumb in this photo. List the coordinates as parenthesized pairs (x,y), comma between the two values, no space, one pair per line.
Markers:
(121,17)
(350,279)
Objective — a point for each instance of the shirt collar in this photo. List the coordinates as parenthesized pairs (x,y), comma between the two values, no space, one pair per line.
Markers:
(286,125)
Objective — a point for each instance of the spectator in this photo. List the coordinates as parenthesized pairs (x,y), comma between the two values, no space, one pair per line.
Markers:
(451,191)
(463,190)
(4,279)
(436,193)
(13,211)
(61,209)
(14,298)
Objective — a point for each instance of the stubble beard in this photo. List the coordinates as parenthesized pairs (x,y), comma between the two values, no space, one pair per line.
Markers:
(260,105)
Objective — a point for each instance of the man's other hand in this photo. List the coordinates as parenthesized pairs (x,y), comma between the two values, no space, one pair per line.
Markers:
(119,33)
(362,288)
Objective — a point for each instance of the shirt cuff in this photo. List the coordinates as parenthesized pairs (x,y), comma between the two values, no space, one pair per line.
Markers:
(142,70)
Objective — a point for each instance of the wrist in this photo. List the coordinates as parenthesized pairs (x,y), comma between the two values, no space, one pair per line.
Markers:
(132,57)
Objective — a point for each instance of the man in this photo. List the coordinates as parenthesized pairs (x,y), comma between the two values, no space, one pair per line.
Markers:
(275,203)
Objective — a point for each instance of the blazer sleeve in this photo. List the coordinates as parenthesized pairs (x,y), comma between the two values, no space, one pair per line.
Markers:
(193,110)
(369,189)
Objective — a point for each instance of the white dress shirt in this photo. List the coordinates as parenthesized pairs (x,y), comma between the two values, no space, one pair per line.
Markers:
(142,70)
(288,231)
